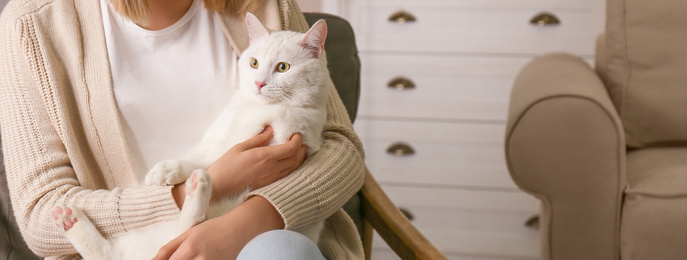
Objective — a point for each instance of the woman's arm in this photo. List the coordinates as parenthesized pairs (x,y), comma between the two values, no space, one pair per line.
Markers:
(40,170)
(326,180)
(254,165)
(251,164)
(238,227)
(333,179)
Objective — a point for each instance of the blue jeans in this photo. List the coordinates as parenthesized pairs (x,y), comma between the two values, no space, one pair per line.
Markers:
(280,245)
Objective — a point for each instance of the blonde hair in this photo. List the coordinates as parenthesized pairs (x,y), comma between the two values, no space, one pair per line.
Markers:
(137,10)
(235,7)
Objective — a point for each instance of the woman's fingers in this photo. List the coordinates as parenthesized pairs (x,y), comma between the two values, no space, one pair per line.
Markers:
(292,163)
(300,155)
(292,158)
(252,164)
(167,250)
(288,149)
(260,140)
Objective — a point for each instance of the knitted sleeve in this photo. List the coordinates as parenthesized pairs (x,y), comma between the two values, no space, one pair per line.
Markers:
(328,178)
(39,170)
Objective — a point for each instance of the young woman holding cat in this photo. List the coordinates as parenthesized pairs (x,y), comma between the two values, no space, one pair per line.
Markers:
(81,122)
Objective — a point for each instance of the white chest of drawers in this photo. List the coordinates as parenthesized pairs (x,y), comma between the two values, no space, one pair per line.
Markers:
(436,79)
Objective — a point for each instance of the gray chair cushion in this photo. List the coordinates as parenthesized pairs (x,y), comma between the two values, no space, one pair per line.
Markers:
(12,245)
(344,69)
(342,59)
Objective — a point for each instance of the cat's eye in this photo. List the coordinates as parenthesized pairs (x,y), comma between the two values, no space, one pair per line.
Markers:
(254,63)
(283,67)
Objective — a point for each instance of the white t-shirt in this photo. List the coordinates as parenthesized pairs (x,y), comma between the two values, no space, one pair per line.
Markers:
(169,84)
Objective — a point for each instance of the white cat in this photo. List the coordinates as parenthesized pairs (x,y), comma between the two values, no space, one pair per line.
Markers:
(284,83)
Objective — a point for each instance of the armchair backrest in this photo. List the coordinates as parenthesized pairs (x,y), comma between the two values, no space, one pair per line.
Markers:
(342,59)
(344,69)
(644,65)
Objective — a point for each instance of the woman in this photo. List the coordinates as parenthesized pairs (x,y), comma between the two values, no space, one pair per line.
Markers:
(70,98)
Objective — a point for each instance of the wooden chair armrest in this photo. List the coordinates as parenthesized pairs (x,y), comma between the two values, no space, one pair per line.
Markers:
(385,217)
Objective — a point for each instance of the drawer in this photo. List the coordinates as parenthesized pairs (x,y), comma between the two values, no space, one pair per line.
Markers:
(444,86)
(469,26)
(447,154)
(471,222)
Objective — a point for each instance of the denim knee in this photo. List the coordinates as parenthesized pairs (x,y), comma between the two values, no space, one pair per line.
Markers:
(280,245)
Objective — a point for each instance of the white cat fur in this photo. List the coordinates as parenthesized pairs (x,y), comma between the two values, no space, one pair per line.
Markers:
(291,102)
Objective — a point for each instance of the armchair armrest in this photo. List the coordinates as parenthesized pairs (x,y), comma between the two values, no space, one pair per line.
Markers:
(565,145)
(382,215)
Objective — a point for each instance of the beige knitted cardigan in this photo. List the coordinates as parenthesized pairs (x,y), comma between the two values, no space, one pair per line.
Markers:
(63,140)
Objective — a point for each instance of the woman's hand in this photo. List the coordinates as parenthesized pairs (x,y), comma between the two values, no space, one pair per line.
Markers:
(253,165)
(224,237)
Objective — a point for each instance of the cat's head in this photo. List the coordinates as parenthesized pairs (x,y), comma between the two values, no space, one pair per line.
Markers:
(285,67)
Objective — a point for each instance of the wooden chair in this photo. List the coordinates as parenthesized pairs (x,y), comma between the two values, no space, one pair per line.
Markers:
(371,208)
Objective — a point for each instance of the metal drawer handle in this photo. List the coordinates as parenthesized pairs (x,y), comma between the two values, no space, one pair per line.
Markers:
(533,222)
(402,17)
(545,19)
(407,213)
(400,149)
(401,83)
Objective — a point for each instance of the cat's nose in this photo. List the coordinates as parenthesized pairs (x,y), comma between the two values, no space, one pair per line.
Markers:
(260,85)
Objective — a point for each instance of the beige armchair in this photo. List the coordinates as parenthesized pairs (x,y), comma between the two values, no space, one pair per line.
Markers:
(606,150)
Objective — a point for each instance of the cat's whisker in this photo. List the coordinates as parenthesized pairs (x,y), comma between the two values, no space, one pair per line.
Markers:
(311,101)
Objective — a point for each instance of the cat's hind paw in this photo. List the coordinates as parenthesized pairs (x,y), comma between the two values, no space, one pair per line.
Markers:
(65,217)
(169,172)
(79,230)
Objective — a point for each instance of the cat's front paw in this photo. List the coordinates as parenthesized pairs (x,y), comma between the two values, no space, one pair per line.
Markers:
(198,191)
(199,184)
(169,172)
(65,217)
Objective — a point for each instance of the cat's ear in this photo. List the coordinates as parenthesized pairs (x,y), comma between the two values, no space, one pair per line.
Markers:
(315,37)
(255,28)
